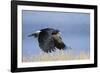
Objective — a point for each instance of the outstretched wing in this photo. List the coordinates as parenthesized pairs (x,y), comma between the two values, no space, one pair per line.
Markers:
(59,44)
(46,42)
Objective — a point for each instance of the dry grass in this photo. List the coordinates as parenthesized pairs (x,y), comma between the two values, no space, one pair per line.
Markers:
(56,56)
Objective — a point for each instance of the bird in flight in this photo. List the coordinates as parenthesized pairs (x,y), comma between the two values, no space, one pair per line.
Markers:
(49,40)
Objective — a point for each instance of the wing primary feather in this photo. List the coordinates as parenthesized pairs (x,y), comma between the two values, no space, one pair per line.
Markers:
(46,42)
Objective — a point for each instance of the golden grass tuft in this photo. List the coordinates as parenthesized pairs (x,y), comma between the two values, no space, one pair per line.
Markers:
(56,56)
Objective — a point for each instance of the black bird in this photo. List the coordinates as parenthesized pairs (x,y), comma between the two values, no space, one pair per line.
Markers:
(49,40)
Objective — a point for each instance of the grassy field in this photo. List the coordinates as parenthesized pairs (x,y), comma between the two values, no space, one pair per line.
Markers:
(56,56)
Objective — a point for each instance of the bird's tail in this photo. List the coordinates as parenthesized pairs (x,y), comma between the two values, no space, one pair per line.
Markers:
(36,34)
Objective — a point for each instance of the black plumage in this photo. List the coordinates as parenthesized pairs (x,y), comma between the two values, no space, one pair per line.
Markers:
(49,40)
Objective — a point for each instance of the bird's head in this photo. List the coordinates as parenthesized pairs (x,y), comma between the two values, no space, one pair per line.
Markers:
(56,32)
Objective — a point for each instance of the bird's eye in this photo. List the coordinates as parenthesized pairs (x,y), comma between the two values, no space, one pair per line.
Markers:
(54,33)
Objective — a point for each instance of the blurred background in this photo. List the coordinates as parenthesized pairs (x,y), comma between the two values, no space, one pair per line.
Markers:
(74,28)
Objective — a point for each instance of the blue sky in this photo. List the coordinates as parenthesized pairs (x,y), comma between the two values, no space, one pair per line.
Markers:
(74,28)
